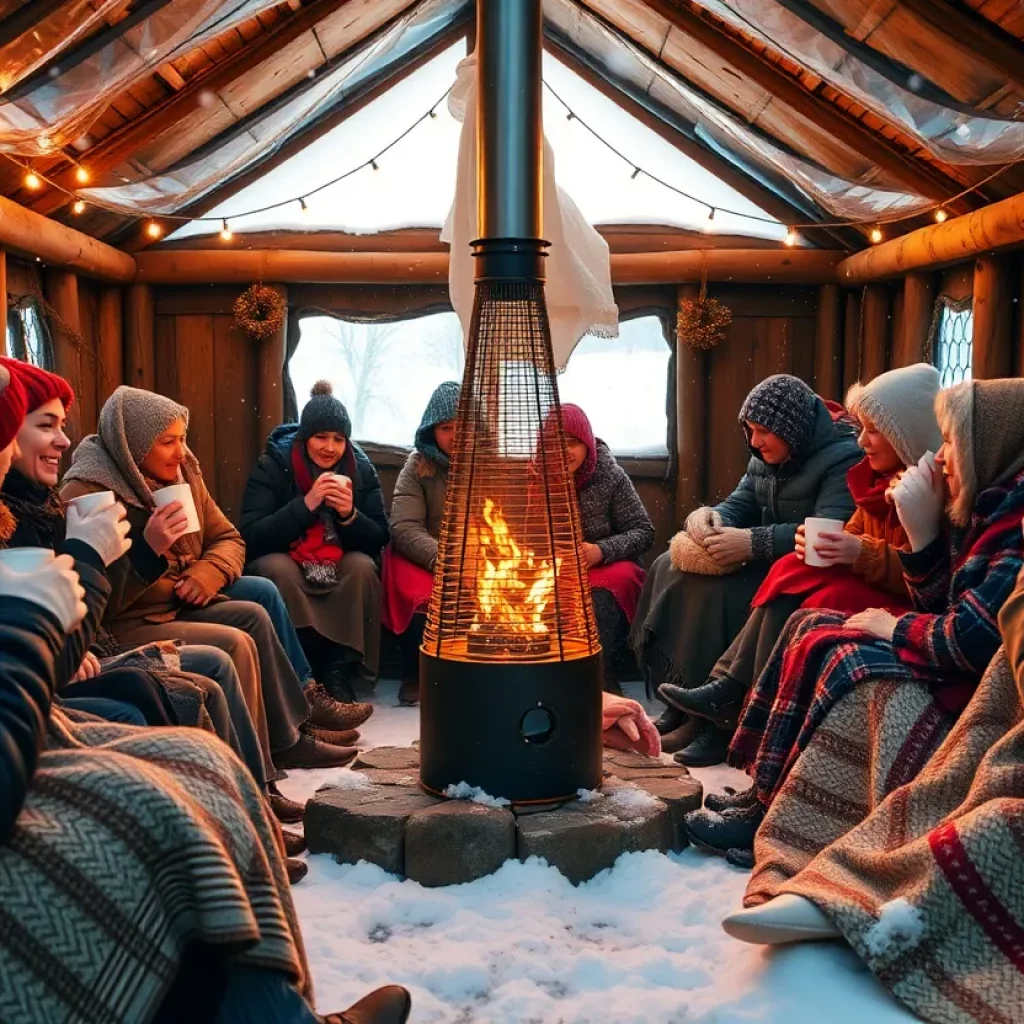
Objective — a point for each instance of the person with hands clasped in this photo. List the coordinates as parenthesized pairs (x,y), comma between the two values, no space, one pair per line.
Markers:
(855,568)
(697,595)
(960,568)
(313,522)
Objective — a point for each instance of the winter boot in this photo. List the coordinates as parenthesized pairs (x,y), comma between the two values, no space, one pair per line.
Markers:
(718,700)
(680,737)
(388,1005)
(708,747)
(720,833)
(294,843)
(327,713)
(338,682)
(787,918)
(297,870)
(286,811)
(670,720)
(311,753)
(730,800)
(409,692)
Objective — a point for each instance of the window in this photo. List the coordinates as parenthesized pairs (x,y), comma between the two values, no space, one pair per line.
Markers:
(953,341)
(621,383)
(28,337)
(385,373)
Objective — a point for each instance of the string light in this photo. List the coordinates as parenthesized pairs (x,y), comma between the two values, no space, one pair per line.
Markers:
(79,207)
(303,208)
(876,235)
(82,176)
(711,213)
(433,112)
(226,234)
(636,171)
(373,164)
(941,216)
(791,238)
(153,229)
(33,181)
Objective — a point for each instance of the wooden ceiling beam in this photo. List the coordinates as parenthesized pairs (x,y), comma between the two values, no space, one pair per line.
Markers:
(25,18)
(122,144)
(912,173)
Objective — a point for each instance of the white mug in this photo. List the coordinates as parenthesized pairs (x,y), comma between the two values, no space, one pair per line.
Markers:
(813,529)
(182,493)
(25,559)
(89,503)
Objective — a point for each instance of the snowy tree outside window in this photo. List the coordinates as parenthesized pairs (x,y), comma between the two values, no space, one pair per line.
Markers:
(386,372)
(954,342)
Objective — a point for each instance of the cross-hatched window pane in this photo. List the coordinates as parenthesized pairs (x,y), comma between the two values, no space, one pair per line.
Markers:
(954,343)
(27,336)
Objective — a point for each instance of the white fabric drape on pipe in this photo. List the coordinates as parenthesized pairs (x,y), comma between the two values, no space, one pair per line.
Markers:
(578,288)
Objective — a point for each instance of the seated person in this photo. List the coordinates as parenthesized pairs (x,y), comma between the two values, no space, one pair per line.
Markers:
(416,513)
(896,412)
(185,586)
(801,449)
(313,522)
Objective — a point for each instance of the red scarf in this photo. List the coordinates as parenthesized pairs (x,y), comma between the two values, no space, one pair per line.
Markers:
(312,548)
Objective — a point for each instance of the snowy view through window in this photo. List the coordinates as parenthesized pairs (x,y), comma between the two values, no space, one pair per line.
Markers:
(386,372)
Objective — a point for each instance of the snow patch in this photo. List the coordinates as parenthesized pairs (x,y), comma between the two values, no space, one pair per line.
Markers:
(633,803)
(464,791)
(588,796)
(347,779)
(899,926)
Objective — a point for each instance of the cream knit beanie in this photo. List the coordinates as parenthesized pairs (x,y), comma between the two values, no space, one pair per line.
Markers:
(901,404)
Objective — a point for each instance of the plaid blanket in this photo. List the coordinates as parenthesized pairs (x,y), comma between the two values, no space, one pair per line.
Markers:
(131,844)
(946,642)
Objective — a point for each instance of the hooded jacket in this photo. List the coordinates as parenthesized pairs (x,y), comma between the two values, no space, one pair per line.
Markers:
(274,511)
(418,505)
(771,501)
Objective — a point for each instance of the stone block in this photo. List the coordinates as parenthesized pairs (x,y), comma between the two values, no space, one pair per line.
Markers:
(457,842)
(680,796)
(408,777)
(583,838)
(390,758)
(364,824)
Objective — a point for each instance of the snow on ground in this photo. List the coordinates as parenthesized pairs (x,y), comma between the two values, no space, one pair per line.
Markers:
(639,944)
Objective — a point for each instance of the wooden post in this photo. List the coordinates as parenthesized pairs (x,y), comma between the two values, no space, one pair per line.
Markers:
(851,341)
(909,345)
(270,398)
(109,344)
(139,355)
(993,318)
(828,363)
(691,421)
(3,301)
(876,331)
(60,288)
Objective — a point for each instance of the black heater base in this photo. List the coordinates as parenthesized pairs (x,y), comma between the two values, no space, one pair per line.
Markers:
(529,733)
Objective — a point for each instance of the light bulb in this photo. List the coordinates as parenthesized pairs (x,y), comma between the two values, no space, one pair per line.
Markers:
(373,164)
(636,171)
(226,233)
(33,181)
(791,237)
(82,176)
(304,208)
(940,216)
(153,229)
(876,235)
(711,213)
(79,207)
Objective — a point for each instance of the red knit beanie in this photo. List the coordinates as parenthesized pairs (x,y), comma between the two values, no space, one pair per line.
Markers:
(41,386)
(575,424)
(12,402)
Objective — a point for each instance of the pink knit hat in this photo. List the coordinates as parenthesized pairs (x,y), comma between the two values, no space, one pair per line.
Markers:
(575,424)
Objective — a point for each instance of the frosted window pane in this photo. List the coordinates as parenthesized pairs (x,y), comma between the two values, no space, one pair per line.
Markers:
(954,356)
(415,182)
(384,372)
(622,385)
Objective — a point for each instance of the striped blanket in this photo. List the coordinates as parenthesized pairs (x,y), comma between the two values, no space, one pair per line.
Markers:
(132,844)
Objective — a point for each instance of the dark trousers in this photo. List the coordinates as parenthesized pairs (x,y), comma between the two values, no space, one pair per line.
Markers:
(134,686)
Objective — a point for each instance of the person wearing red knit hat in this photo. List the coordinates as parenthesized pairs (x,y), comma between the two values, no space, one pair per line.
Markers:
(12,412)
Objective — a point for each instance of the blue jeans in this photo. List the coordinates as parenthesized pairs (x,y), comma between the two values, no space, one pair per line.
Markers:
(107,709)
(263,592)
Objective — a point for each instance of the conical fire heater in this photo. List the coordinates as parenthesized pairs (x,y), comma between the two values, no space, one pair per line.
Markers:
(510,663)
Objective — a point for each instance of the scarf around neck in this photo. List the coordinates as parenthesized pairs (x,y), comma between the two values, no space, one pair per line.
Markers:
(37,512)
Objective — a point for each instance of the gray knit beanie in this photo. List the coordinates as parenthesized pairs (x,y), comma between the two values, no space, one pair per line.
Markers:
(901,404)
(324,413)
(784,405)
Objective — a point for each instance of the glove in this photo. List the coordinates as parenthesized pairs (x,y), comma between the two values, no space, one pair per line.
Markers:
(920,497)
(105,531)
(700,522)
(55,587)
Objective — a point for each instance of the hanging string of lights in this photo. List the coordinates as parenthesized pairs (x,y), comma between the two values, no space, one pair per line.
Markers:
(34,181)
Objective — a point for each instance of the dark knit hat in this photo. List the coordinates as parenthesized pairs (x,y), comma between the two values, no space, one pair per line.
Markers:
(12,402)
(324,413)
(784,405)
(41,387)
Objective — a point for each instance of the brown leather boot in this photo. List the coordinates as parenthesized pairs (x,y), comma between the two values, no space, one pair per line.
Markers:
(327,713)
(388,1005)
(288,812)
(297,870)
(294,843)
(311,753)
(336,737)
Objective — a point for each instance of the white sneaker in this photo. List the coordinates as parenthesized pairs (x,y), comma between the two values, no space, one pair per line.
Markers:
(786,918)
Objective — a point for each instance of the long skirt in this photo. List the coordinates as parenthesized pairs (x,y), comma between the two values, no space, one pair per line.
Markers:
(684,622)
(243,630)
(347,614)
(134,845)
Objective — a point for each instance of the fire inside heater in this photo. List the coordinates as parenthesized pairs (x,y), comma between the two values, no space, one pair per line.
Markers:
(510,663)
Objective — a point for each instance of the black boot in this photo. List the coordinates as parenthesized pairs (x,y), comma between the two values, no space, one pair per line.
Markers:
(730,800)
(671,718)
(708,747)
(338,682)
(718,700)
(721,833)
(680,737)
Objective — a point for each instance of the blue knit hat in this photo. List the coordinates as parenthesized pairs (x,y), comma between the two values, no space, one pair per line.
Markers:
(441,408)
(323,414)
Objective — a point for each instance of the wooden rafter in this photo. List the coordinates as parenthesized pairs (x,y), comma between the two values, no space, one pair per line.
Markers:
(121,145)
(789,91)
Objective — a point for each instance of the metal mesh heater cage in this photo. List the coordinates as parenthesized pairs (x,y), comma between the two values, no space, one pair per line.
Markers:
(510,662)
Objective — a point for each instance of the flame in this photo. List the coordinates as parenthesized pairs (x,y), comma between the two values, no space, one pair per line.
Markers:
(515,586)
